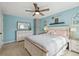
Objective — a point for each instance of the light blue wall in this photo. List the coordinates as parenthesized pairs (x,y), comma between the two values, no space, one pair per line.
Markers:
(10,26)
(10,22)
(65,16)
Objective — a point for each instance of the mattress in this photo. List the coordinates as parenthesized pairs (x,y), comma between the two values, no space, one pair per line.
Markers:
(51,44)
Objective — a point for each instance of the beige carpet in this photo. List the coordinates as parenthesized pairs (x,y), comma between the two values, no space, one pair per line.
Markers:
(17,49)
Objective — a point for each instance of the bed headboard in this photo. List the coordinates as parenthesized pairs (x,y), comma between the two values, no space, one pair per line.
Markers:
(59,31)
(60,27)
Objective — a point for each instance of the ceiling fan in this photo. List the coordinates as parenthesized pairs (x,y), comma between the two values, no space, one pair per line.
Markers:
(37,10)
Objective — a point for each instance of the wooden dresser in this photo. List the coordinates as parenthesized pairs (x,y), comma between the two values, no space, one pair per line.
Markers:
(20,34)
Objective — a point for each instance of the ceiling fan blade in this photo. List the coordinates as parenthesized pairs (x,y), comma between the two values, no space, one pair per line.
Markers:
(35,5)
(29,11)
(41,14)
(44,10)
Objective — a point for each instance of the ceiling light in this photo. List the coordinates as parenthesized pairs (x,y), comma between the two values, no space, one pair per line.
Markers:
(37,13)
(73,29)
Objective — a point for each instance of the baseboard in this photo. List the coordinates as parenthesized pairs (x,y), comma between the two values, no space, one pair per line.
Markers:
(8,42)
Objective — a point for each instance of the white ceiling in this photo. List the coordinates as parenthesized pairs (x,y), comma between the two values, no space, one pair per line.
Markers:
(18,8)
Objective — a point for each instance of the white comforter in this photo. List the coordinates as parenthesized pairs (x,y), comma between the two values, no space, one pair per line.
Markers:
(52,44)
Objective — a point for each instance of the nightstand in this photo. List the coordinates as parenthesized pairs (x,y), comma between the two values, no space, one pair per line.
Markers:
(74,45)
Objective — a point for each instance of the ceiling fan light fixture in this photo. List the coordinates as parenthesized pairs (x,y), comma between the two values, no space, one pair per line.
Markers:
(37,13)
(37,10)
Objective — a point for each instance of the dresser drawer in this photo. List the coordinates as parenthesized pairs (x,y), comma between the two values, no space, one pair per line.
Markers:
(75,49)
(75,45)
(75,42)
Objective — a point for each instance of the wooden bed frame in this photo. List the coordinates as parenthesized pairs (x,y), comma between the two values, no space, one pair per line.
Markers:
(35,49)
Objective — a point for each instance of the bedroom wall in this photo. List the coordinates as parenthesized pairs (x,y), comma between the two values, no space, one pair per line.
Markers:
(10,22)
(10,26)
(65,16)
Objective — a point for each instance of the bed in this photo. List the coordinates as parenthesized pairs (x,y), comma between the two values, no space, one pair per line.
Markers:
(48,44)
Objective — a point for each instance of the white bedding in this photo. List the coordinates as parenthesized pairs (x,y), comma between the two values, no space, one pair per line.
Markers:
(52,44)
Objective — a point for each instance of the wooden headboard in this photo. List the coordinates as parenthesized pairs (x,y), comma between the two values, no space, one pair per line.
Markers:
(59,27)
(62,30)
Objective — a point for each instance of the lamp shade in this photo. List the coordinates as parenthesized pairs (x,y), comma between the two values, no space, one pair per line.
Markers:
(73,29)
(46,28)
(37,13)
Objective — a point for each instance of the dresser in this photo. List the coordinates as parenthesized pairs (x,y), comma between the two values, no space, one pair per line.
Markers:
(21,35)
(74,45)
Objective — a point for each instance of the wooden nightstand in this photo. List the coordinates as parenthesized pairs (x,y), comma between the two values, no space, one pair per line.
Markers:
(74,45)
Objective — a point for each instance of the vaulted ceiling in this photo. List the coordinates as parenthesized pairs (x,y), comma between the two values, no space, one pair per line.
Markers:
(18,8)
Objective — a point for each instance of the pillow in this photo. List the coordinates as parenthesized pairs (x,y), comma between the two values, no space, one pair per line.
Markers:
(51,32)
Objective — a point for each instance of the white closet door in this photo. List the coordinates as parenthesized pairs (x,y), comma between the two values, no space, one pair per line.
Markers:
(1,29)
(0,24)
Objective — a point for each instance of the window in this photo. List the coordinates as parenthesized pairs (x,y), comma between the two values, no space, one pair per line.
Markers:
(24,25)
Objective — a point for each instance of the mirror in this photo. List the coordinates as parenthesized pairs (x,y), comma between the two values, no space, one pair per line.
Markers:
(24,25)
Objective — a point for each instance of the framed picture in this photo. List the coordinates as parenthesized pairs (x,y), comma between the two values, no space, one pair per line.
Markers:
(23,25)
